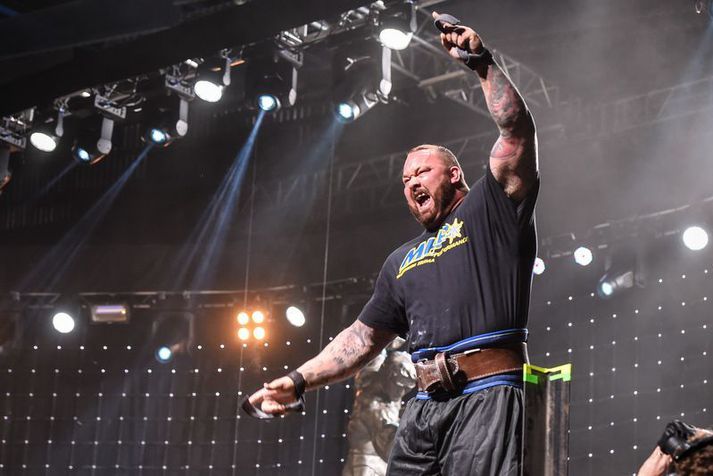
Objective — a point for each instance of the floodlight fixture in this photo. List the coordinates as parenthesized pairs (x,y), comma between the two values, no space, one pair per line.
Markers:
(539,266)
(110,313)
(397,26)
(259,333)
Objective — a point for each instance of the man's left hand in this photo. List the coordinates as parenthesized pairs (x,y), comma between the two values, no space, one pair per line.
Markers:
(458,36)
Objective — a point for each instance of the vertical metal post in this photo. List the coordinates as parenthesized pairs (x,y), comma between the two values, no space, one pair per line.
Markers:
(546,432)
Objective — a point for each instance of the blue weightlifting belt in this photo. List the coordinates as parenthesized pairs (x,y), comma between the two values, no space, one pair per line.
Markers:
(490,339)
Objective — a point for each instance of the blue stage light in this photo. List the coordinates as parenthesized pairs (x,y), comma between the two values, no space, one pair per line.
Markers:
(164,354)
(82,155)
(347,111)
(268,102)
(158,136)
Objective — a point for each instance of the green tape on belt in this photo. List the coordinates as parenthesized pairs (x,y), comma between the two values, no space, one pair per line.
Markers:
(561,372)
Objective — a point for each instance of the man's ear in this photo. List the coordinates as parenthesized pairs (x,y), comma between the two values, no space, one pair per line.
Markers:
(456,174)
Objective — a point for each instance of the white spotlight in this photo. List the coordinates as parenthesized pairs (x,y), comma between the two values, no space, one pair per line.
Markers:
(63,322)
(583,256)
(208,90)
(394,38)
(695,238)
(539,266)
(43,141)
(295,316)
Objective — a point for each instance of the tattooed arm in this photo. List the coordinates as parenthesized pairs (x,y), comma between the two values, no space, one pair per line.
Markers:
(354,347)
(513,158)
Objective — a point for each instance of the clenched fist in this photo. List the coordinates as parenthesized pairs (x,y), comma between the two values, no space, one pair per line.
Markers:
(274,398)
(458,36)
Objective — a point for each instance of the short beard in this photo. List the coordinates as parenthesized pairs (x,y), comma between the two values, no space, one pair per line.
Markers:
(447,195)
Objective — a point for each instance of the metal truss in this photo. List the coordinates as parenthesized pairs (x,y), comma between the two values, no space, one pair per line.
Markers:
(380,175)
(189,300)
(597,121)
(429,65)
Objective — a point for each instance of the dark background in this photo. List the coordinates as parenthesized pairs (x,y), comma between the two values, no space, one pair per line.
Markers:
(627,137)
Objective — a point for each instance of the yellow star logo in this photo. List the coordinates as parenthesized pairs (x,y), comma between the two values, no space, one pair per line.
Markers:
(452,230)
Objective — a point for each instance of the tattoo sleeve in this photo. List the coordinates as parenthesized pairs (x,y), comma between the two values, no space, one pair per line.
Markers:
(513,158)
(354,347)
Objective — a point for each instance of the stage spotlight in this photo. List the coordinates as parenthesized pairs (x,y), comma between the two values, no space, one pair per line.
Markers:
(272,79)
(539,266)
(259,333)
(164,354)
(397,26)
(295,316)
(172,334)
(243,333)
(614,281)
(695,238)
(583,256)
(243,318)
(168,128)
(347,111)
(63,322)
(213,77)
(623,270)
(157,136)
(362,79)
(46,136)
(90,151)
(258,317)
(268,102)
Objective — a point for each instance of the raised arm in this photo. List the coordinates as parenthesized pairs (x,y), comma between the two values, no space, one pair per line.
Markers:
(513,158)
(343,357)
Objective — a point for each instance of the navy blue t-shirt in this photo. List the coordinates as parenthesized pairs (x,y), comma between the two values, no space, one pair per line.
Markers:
(471,276)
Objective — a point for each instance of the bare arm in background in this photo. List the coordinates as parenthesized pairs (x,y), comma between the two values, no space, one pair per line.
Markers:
(656,464)
(513,158)
(354,347)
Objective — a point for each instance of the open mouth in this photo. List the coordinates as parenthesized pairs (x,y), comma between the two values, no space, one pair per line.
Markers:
(422,198)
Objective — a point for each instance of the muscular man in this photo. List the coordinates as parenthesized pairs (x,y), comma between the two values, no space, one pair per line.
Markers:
(459,292)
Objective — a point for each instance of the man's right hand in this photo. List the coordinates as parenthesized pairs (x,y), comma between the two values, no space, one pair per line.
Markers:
(273,397)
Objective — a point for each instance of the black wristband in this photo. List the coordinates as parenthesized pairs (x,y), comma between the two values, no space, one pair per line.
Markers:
(485,57)
(299,381)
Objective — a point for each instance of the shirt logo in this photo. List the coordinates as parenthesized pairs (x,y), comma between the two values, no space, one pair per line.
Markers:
(427,251)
